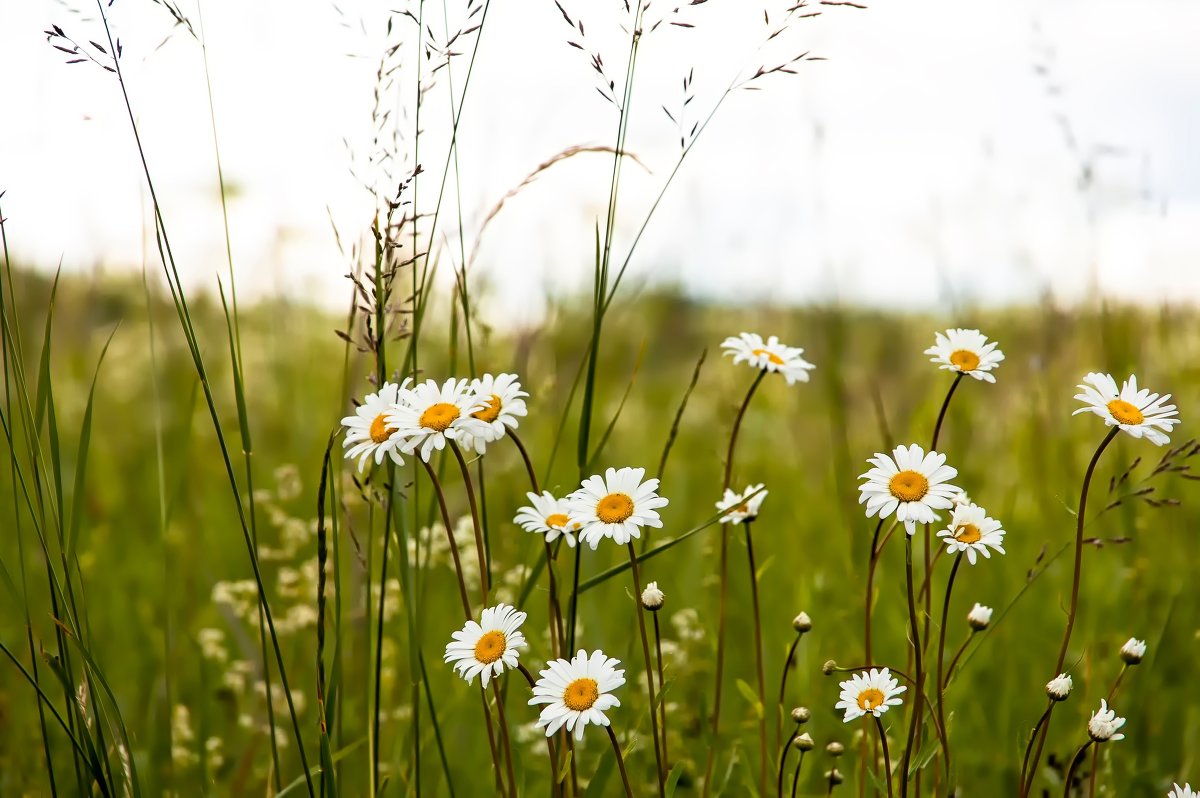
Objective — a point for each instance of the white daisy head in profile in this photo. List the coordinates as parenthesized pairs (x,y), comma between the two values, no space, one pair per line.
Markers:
(1059,687)
(910,483)
(615,506)
(577,692)
(972,531)
(967,352)
(503,401)
(1140,413)
(980,617)
(1185,791)
(739,507)
(870,692)
(1104,724)
(1133,651)
(429,414)
(547,516)
(488,647)
(368,432)
(769,355)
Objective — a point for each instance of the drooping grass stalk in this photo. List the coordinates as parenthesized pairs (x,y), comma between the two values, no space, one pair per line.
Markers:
(1070,777)
(940,684)
(758,661)
(724,588)
(795,776)
(887,759)
(641,616)
(480,549)
(620,760)
(919,669)
(328,780)
(1074,607)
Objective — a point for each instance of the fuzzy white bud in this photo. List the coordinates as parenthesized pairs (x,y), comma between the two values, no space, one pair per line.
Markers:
(1133,651)
(979,617)
(1059,687)
(802,623)
(653,598)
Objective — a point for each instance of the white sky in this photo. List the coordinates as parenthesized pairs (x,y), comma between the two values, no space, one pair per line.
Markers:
(924,163)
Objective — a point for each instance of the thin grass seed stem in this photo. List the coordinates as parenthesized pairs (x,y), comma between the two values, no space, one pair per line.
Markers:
(641,616)
(1075,760)
(758,661)
(620,760)
(662,698)
(481,551)
(724,589)
(920,674)
(887,759)
(795,777)
(941,683)
(1037,728)
(783,756)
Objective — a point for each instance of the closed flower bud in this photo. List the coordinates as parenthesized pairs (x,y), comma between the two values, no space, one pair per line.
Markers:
(979,617)
(835,748)
(1133,651)
(804,742)
(802,623)
(652,597)
(801,715)
(829,667)
(1059,687)
(834,776)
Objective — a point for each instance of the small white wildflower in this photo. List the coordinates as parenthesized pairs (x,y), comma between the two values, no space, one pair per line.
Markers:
(1059,687)
(1104,724)
(979,617)
(1133,651)
(652,597)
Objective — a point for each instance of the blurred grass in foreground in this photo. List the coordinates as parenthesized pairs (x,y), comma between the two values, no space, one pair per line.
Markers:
(147,595)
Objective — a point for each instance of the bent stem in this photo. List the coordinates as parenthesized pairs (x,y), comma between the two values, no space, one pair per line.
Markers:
(641,613)
(783,679)
(662,698)
(783,755)
(458,571)
(505,742)
(1029,748)
(920,673)
(1074,764)
(758,660)
(533,481)
(1096,750)
(941,683)
(868,603)
(620,760)
(555,786)
(725,482)
(887,759)
(481,549)
(795,777)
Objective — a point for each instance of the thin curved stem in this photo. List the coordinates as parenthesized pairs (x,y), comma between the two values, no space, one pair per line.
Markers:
(662,698)
(1037,728)
(954,661)
(795,777)
(441,497)
(556,622)
(481,551)
(783,755)
(869,602)
(505,742)
(555,786)
(641,616)
(620,761)
(941,684)
(1071,770)
(758,661)
(533,480)
(887,759)
(574,608)
(737,425)
(869,666)
(917,659)
(783,679)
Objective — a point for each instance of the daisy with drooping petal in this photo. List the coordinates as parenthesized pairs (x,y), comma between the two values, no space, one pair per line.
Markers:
(1185,791)
(1104,724)
(738,508)
(548,516)
(871,692)
(577,692)
(769,355)
(1140,413)
(430,414)
(967,352)
(501,397)
(487,647)
(368,431)
(910,484)
(971,530)
(615,506)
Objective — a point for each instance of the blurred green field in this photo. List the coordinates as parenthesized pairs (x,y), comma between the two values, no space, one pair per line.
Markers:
(158,532)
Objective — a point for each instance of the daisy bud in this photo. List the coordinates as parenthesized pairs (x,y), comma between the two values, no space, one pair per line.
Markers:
(1059,687)
(979,617)
(829,667)
(802,623)
(801,715)
(1133,651)
(1104,724)
(652,597)
(834,777)
(835,748)
(804,742)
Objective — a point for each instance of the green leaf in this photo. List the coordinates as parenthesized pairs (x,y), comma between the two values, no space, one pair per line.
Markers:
(566,767)
(297,785)
(673,779)
(751,697)
(85,437)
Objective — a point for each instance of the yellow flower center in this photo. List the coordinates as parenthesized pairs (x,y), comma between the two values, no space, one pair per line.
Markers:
(439,417)
(1124,412)
(771,356)
(909,486)
(965,359)
(490,412)
(556,520)
(968,533)
(490,647)
(581,694)
(614,508)
(380,431)
(870,698)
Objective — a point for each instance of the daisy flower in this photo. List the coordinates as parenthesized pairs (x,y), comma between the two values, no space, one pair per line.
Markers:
(615,506)
(548,516)
(1059,687)
(871,692)
(979,618)
(368,431)
(971,530)
(737,508)
(769,356)
(489,646)
(1104,724)
(429,414)
(1140,413)
(910,484)
(967,352)
(577,692)
(1185,791)
(1133,651)
(502,402)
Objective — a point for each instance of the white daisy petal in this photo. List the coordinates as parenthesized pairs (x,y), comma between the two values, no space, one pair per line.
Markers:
(911,484)
(871,692)
(615,506)
(577,692)
(485,647)
(769,355)
(1139,413)
(966,352)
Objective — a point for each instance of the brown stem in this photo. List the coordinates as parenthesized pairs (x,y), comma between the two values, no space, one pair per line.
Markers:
(1037,728)
(481,552)
(555,787)
(887,759)
(795,777)
(787,667)
(758,659)
(556,622)
(505,742)
(662,698)
(957,656)
(783,755)
(716,716)
(920,681)
(620,761)
(533,481)
(940,684)
(1075,762)
(870,591)
(441,497)
(641,616)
